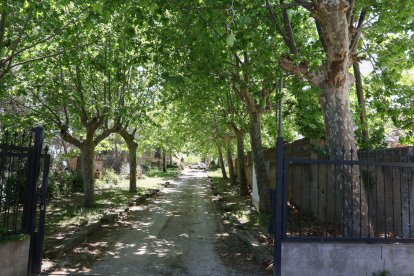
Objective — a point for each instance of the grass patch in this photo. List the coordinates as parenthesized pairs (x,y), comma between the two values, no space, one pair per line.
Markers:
(171,173)
(65,215)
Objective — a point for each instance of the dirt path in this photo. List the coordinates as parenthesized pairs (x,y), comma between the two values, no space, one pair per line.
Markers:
(175,234)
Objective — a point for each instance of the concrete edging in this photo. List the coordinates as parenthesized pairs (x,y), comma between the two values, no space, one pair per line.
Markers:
(262,255)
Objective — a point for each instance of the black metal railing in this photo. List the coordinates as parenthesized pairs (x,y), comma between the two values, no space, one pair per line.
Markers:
(342,196)
(22,196)
(365,196)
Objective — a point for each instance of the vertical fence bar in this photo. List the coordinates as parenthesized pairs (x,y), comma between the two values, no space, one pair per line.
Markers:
(401,197)
(335,188)
(392,195)
(300,198)
(352,194)
(409,202)
(343,194)
(369,196)
(385,197)
(326,199)
(318,187)
(279,208)
(376,196)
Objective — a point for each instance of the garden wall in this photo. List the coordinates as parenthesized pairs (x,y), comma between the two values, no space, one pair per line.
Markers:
(347,259)
(14,257)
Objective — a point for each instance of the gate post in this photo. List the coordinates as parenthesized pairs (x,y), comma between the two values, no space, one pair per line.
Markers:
(279,208)
(277,262)
(31,190)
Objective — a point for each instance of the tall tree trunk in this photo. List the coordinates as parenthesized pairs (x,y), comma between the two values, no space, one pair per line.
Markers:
(241,165)
(171,158)
(230,163)
(164,161)
(221,161)
(361,103)
(87,156)
(262,179)
(132,152)
(338,121)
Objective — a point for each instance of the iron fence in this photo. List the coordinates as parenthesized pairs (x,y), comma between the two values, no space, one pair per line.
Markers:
(325,195)
(23,161)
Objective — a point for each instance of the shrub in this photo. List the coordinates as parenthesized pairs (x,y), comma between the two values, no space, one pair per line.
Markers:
(110,177)
(77,182)
(172,166)
(145,168)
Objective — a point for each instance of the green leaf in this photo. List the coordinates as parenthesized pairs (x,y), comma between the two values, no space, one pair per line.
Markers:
(97,7)
(244,20)
(152,7)
(231,38)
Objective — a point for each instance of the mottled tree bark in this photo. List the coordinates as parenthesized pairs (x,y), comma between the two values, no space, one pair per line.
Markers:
(241,164)
(164,161)
(129,139)
(230,163)
(262,179)
(338,120)
(87,157)
(361,103)
(221,161)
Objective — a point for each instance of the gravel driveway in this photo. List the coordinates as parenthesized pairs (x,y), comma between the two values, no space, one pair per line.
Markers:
(176,235)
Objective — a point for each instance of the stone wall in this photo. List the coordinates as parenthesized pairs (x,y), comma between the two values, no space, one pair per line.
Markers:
(14,257)
(347,259)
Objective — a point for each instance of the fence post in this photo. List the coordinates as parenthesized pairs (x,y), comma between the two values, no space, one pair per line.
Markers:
(31,191)
(277,262)
(279,208)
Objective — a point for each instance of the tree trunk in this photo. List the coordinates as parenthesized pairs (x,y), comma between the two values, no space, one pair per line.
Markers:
(87,156)
(132,152)
(164,162)
(361,104)
(221,161)
(230,163)
(262,179)
(338,121)
(241,165)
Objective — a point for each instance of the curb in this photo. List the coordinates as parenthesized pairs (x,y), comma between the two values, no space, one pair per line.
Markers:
(262,255)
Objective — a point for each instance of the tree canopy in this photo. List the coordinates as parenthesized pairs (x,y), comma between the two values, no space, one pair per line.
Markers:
(188,75)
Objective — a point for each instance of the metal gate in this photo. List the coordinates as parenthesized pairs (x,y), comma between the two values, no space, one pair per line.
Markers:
(24,169)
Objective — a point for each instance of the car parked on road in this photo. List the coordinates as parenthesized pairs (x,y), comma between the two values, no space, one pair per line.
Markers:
(199,166)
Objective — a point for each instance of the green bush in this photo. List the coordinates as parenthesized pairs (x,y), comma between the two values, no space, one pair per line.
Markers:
(172,166)
(145,168)
(77,182)
(59,182)
(10,235)
(111,177)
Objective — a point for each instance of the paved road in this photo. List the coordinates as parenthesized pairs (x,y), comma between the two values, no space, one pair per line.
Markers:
(175,236)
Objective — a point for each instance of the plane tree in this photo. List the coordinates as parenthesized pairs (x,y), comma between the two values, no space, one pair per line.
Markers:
(88,94)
